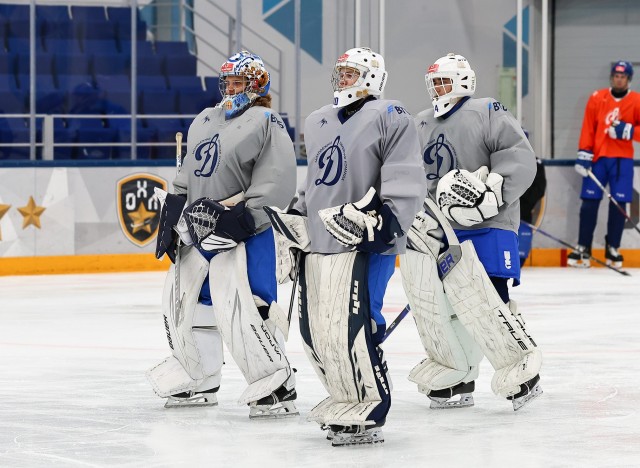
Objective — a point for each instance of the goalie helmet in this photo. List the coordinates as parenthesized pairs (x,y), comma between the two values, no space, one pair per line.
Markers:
(371,79)
(449,79)
(256,82)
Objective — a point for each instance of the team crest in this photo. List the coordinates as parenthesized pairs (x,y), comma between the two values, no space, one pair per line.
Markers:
(139,207)
(332,162)
(439,157)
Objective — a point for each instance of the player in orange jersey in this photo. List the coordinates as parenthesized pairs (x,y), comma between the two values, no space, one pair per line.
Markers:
(611,122)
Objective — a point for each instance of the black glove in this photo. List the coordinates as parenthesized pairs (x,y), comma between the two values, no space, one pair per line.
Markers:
(384,235)
(170,213)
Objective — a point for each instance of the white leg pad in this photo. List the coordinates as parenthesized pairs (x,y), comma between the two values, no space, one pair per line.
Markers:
(192,333)
(329,411)
(248,338)
(341,359)
(452,354)
(492,324)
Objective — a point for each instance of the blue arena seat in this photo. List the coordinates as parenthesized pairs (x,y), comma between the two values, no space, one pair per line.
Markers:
(44,64)
(88,13)
(171,48)
(95,135)
(184,82)
(8,81)
(142,48)
(73,64)
(166,132)
(150,65)
(62,46)
(180,64)
(110,64)
(14,130)
(91,30)
(7,64)
(144,135)
(155,101)
(146,82)
(20,45)
(13,102)
(100,46)
(192,102)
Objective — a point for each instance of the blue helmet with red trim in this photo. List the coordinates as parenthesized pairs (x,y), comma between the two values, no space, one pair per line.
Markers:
(622,66)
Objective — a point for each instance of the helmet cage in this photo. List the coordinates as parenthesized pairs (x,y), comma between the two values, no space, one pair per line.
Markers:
(371,81)
(256,82)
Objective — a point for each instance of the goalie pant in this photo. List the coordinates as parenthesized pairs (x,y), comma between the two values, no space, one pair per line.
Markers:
(341,327)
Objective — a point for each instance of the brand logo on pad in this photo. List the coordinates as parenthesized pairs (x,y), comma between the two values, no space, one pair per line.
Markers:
(139,207)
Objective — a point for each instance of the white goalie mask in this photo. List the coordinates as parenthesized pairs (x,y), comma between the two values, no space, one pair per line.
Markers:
(256,82)
(364,64)
(449,79)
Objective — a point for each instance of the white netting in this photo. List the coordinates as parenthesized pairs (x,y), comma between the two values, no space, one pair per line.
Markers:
(203,220)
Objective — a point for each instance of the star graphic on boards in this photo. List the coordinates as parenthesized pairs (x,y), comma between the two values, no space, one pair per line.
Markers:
(3,211)
(31,214)
(141,219)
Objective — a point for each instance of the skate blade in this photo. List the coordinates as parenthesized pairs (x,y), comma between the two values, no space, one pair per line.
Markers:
(535,392)
(285,409)
(466,400)
(368,438)
(192,402)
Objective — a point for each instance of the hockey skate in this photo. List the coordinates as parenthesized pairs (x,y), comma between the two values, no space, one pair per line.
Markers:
(279,404)
(528,391)
(612,256)
(580,257)
(341,436)
(441,399)
(193,398)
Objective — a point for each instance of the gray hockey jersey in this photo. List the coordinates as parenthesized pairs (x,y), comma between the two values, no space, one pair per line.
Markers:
(251,153)
(376,147)
(481,132)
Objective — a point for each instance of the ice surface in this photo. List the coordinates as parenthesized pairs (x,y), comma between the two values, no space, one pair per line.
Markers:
(74,350)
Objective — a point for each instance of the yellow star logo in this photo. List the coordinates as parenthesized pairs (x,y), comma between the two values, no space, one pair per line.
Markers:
(3,211)
(141,219)
(31,214)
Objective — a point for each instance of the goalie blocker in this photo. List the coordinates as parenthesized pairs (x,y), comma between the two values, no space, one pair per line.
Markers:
(464,295)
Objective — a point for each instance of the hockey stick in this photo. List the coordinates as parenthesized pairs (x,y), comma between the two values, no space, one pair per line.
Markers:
(392,326)
(566,244)
(176,280)
(611,199)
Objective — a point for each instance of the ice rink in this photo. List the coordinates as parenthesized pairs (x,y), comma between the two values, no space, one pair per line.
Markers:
(74,349)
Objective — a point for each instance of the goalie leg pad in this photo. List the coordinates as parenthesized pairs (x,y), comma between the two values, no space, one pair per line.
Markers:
(249,340)
(339,329)
(452,355)
(493,325)
(191,331)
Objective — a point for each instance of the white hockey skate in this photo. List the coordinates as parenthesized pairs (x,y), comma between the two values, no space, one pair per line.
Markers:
(280,404)
(193,399)
(341,436)
(442,399)
(528,391)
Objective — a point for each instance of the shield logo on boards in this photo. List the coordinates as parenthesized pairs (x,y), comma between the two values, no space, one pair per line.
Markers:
(139,207)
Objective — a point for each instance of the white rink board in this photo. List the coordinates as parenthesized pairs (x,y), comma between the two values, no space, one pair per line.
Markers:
(75,348)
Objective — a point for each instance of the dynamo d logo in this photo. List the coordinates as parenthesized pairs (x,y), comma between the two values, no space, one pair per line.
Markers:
(439,156)
(331,160)
(139,207)
(207,151)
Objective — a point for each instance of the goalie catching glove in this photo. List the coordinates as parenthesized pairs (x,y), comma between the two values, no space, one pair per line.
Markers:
(291,237)
(216,228)
(470,198)
(368,224)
